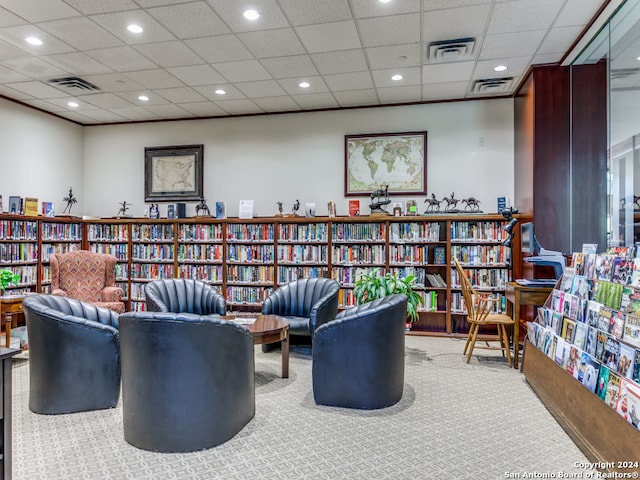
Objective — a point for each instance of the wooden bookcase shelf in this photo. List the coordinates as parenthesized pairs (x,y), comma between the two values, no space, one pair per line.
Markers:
(247,259)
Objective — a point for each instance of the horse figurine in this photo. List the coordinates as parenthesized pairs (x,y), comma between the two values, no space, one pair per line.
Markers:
(379,198)
(204,207)
(434,204)
(472,204)
(451,203)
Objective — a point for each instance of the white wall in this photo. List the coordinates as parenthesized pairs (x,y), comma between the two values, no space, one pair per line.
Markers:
(301,156)
(40,156)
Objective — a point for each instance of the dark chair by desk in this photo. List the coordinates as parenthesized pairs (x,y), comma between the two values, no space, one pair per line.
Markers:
(74,355)
(187,380)
(358,358)
(183,295)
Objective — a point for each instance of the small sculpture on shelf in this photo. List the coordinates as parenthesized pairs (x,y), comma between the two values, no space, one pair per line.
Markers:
(434,204)
(280,205)
(472,204)
(379,198)
(202,206)
(296,207)
(124,206)
(452,203)
(71,200)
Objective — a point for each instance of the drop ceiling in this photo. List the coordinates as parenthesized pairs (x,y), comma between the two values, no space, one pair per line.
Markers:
(345,50)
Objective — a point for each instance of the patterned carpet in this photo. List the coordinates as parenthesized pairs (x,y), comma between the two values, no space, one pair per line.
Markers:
(455,421)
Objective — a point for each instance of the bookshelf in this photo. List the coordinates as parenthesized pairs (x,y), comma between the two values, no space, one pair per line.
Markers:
(19,251)
(247,259)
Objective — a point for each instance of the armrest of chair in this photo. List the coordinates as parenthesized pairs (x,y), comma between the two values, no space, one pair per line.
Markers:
(112,294)
(323,311)
(59,293)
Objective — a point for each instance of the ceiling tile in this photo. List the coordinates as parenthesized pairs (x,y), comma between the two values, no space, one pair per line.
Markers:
(38,10)
(577,13)
(287,67)
(222,48)
(399,94)
(382,78)
(105,100)
(103,116)
(76,117)
(353,98)
(209,92)
(8,19)
(546,58)
(181,95)
(455,23)
(168,111)
(51,45)
(62,103)
(444,91)
(37,89)
(349,81)
(443,4)
(367,8)
(511,44)
(264,88)
(154,99)
(328,37)
(197,75)
(292,88)
(49,105)
(307,12)
(244,71)
(448,72)
(391,30)
(203,109)
(78,64)
(190,20)
(135,113)
(81,33)
(275,104)
(113,82)
(315,100)
(512,17)
(153,79)
(559,40)
(116,23)
(9,52)
(91,7)
(239,107)
(169,54)
(231,13)
(272,43)
(122,59)
(406,55)
(34,68)
(13,93)
(340,62)
(8,75)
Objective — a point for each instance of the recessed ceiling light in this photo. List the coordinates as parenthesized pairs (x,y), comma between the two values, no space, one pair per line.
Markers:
(384,1)
(304,84)
(638,58)
(220,92)
(73,104)
(251,14)
(33,41)
(396,77)
(143,98)
(500,68)
(133,28)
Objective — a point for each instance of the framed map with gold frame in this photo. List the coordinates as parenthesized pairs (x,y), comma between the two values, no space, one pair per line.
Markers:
(173,173)
(374,160)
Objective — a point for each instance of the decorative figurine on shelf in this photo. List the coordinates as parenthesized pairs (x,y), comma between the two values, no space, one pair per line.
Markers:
(203,206)
(71,200)
(124,206)
(379,198)
(452,203)
(280,204)
(472,204)
(434,204)
(296,207)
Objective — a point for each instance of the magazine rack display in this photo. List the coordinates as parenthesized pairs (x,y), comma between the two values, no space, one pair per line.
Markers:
(248,258)
(582,356)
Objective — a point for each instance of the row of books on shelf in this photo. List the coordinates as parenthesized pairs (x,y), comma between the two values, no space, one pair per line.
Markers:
(18,252)
(55,231)
(207,273)
(250,232)
(11,230)
(458,305)
(118,250)
(302,253)
(247,295)
(250,253)
(148,251)
(481,254)
(484,278)
(199,232)
(289,274)
(152,232)
(414,232)
(107,232)
(250,274)
(358,232)
(477,231)
(200,252)
(358,254)
(314,232)
(50,248)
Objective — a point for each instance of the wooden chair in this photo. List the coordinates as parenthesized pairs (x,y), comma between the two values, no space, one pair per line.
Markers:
(479,313)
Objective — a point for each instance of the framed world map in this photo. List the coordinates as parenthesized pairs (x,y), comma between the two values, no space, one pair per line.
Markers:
(375,160)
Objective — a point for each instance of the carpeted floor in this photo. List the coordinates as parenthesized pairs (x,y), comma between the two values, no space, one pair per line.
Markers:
(455,421)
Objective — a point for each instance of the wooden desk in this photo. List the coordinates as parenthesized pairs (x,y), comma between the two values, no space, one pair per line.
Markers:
(10,309)
(517,295)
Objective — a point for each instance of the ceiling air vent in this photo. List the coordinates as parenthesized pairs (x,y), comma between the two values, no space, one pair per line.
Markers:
(74,82)
(451,50)
(490,86)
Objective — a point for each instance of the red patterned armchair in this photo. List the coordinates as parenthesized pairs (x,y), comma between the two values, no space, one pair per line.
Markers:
(88,277)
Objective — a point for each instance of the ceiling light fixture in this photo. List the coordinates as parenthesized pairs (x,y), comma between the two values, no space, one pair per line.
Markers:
(133,28)
(397,77)
(73,104)
(33,41)
(384,1)
(251,15)
(500,68)
(304,84)
(220,92)
(143,98)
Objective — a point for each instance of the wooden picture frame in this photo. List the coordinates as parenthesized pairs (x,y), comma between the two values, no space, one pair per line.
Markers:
(173,173)
(374,160)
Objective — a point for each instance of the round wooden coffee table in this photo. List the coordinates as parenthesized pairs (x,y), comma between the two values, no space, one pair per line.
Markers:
(267,329)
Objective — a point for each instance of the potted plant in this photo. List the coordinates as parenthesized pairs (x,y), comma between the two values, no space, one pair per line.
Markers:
(7,277)
(372,286)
